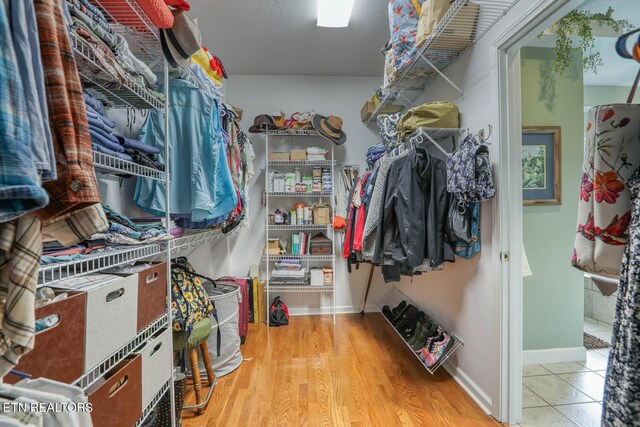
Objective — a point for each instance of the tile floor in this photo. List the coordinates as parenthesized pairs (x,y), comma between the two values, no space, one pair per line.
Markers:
(570,394)
(598,329)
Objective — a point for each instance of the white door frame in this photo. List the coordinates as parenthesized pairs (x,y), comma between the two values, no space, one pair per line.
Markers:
(508,216)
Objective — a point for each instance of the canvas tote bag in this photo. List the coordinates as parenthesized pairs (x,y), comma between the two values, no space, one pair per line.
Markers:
(432,12)
(430,115)
(611,156)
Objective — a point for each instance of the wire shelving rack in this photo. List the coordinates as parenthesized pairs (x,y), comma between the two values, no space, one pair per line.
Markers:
(464,24)
(303,286)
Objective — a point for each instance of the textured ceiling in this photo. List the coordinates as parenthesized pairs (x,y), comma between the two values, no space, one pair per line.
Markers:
(281,37)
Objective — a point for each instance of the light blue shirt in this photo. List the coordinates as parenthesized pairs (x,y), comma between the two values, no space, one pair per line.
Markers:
(201,183)
(26,44)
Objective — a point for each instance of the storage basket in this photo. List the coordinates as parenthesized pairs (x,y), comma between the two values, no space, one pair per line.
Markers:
(225,299)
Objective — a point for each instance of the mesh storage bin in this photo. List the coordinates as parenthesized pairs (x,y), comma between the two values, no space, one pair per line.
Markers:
(225,298)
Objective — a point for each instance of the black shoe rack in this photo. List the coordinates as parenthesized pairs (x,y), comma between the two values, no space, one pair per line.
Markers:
(395,297)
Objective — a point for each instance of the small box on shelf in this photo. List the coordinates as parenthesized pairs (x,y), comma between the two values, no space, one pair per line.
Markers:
(299,155)
(321,214)
(276,156)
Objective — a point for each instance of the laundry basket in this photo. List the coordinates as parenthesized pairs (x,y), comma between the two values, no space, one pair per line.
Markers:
(225,299)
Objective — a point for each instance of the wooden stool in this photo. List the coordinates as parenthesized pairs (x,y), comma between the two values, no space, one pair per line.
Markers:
(198,338)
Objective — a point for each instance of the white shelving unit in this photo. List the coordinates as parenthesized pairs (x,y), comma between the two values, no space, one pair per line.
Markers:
(303,286)
(144,42)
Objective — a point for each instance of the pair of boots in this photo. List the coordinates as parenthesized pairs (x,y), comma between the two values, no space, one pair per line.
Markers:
(425,329)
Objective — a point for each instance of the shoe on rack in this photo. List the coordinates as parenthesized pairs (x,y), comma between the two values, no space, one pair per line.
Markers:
(403,315)
(411,326)
(387,312)
(407,319)
(398,309)
(438,349)
(418,332)
(418,339)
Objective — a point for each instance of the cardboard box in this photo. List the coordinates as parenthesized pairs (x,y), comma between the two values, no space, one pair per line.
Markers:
(367,110)
(278,156)
(298,154)
(321,214)
(458,34)
(273,247)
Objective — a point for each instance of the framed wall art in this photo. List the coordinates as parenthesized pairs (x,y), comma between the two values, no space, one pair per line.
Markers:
(541,165)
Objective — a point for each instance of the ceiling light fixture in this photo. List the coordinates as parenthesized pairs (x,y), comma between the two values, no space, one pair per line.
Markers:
(334,13)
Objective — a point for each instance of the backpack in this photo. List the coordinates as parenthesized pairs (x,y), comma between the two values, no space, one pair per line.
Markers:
(189,301)
(278,313)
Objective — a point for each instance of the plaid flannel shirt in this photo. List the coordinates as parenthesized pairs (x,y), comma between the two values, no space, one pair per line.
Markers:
(74,212)
(20,251)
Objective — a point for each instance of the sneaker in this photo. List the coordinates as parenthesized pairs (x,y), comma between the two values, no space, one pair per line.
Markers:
(438,349)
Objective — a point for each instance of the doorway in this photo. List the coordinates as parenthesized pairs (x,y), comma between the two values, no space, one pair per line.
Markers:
(513,395)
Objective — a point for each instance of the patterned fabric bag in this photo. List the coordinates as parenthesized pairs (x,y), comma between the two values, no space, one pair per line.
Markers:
(189,301)
(388,128)
(403,25)
(611,154)
(469,173)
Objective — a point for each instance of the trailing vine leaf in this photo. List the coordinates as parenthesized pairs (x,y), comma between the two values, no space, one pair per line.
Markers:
(580,23)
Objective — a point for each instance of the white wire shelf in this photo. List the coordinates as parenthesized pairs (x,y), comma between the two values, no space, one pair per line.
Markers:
(299,257)
(392,299)
(300,194)
(195,240)
(154,402)
(436,133)
(98,371)
(301,163)
(49,274)
(292,132)
(114,94)
(300,288)
(463,25)
(130,21)
(299,227)
(112,165)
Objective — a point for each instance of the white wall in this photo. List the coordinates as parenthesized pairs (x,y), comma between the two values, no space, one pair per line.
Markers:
(341,96)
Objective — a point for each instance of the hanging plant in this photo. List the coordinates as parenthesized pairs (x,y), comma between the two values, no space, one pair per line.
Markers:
(580,23)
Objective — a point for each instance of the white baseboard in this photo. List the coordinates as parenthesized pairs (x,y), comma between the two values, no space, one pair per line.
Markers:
(554,355)
(345,309)
(469,386)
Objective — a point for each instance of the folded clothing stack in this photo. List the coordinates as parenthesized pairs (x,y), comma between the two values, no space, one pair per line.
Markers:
(121,232)
(105,141)
(116,61)
(315,154)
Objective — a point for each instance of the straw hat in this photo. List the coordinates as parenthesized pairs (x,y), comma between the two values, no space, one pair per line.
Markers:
(330,128)
(181,41)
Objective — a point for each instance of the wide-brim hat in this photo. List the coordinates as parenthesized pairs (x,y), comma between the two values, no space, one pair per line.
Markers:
(263,122)
(181,41)
(330,128)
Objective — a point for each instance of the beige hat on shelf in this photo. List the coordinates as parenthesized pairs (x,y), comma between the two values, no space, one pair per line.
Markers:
(181,41)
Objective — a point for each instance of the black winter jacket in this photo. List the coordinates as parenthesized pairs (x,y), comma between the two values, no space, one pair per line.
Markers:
(414,213)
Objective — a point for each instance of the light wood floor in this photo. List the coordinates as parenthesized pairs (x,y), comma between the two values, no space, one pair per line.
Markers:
(356,372)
